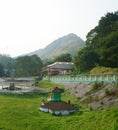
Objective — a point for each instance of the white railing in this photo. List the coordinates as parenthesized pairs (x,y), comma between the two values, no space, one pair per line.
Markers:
(83,78)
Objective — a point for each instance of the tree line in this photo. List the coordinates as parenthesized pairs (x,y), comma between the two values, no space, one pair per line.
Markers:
(27,65)
(23,66)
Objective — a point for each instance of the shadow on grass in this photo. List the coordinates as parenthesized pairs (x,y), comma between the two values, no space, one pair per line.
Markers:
(35,94)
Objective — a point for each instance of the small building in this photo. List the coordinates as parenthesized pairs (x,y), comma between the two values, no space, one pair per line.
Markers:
(56,105)
(60,68)
(56,94)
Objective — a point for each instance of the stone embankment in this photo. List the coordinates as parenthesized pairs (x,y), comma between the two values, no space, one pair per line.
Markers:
(94,95)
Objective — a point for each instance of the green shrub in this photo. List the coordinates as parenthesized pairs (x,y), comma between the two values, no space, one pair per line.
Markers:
(97,85)
(91,109)
(107,91)
(116,85)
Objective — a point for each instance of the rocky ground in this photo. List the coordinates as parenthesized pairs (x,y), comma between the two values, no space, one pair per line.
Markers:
(94,95)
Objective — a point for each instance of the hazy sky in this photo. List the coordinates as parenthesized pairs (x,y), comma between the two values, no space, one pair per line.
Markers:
(29,25)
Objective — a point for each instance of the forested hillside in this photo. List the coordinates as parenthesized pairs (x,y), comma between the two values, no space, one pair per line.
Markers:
(23,66)
(101,45)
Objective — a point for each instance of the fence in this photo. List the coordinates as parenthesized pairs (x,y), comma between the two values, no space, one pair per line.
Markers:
(83,78)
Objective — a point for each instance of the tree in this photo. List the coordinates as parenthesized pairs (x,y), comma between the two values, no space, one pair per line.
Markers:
(64,58)
(101,45)
(1,70)
(8,63)
(108,50)
(5,60)
(86,59)
(107,25)
(103,39)
(28,65)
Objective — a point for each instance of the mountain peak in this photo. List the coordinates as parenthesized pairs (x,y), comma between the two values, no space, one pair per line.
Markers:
(67,44)
(72,35)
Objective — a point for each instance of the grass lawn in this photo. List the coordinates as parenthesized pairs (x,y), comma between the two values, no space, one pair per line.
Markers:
(21,112)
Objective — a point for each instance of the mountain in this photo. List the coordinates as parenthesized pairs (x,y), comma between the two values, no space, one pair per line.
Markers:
(66,44)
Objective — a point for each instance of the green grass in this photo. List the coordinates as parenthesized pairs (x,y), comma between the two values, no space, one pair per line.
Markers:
(21,112)
(47,85)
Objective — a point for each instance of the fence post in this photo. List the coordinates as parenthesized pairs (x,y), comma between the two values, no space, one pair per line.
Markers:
(114,78)
(107,78)
(80,78)
(96,78)
(101,78)
(76,77)
(85,78)
(90,78)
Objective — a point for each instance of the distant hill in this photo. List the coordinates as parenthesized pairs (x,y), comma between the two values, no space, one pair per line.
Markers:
(66,44)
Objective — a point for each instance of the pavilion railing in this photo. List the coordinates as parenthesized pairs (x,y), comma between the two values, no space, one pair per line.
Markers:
(83,78)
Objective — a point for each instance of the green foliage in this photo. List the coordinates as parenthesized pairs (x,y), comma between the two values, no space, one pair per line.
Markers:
(28,65)
(107,91)
(116,85)
(104,71)
(86,59)
(64,58)
(97,85)
(8,63)
(46,84)
(113,92)
(103,39)
(48,62)
(107,25)
(1,70)
(108,50)
(101,45)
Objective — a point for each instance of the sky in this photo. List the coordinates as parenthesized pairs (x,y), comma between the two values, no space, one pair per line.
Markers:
(29,25)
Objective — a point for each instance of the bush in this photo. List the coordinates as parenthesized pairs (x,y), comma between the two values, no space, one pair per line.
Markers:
(107,91)
(116,85)
(97,85)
